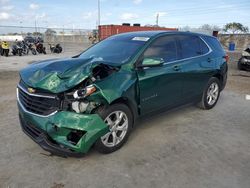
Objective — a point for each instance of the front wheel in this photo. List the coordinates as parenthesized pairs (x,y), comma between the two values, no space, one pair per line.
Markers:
(240,67)
(20,52)
(211,94)
(33,51)
(119,119)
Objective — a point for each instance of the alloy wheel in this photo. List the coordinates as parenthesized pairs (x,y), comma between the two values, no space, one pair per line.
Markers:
(212,93)
(118,126)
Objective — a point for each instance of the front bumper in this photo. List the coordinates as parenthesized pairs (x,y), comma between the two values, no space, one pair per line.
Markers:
(245,62)
(52,132)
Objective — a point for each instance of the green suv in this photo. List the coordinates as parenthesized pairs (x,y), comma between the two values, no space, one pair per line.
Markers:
(93,99)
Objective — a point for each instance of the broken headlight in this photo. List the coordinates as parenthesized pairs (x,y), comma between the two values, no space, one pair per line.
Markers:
(80,104)
(82,93)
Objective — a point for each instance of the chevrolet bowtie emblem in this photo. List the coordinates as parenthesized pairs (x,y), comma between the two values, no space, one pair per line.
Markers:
(31,90)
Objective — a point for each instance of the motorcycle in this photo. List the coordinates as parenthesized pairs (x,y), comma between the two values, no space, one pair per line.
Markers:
(32,48)
(17,49)
(55,48)
(40,48)
(5,49)
(25,47)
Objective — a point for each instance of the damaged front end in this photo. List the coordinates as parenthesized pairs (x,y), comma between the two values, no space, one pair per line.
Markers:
(57,102)
(244,61)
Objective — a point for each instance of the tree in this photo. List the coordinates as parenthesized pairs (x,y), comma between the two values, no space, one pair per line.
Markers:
(37,34)
(50,35)
(50,32)
(235,27)
(206,29)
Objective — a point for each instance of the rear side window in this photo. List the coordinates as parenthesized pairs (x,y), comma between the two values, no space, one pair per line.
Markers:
(192,46)
(203,46)
(214,43)
(163,47)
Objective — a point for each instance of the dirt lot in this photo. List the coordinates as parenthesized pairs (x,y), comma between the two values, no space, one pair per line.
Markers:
(187,147)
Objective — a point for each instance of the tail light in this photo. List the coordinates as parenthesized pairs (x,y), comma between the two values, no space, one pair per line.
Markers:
(226,57)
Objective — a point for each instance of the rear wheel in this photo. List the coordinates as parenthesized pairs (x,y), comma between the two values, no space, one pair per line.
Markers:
(211,94)
(119,119)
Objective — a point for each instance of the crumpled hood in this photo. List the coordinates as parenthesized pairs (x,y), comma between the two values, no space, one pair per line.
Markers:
(58,75)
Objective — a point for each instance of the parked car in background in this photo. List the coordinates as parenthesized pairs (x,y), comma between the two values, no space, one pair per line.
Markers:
(32,39)
(69,105)
(244,61)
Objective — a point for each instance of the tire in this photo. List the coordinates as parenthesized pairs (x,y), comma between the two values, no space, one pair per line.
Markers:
(44,50)
(107,144)
(6,53)
(56,50)
(33,51)
(240,67)
(19,52)
(210,94)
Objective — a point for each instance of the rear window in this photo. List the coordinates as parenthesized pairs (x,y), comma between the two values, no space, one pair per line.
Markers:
(192,46)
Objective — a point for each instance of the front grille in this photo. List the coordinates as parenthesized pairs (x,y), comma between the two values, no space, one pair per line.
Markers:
(38,104)
(247,57)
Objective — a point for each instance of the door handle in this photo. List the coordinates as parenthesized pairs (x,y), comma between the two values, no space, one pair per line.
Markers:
(209,60)
(176,68)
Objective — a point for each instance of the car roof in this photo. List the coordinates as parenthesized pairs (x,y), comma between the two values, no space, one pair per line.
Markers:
(151,34)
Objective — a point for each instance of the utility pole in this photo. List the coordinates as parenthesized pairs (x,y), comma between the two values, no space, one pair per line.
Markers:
(35,26)
(99,14)
(21,24)
(157,19)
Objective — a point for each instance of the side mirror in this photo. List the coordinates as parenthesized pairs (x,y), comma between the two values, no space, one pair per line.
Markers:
(151,62)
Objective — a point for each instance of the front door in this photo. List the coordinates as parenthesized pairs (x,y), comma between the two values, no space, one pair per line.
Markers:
(160,86)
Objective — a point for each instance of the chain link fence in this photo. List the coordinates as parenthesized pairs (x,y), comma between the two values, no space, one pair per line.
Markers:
(70,39)
(49,35)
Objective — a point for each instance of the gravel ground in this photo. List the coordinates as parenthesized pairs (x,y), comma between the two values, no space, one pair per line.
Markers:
(186,147)
(15,63)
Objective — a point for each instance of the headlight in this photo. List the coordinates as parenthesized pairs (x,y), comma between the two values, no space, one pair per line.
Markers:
(80,106)
(244,53)
(82,93)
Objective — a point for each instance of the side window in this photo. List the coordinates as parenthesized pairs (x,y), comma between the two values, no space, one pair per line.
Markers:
(214,43)
(190,46)
(203,46)
(163,47)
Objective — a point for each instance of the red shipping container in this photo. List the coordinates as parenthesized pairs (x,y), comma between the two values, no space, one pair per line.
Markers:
(109,30)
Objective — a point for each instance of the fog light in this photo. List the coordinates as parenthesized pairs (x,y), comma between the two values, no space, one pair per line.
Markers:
(74,136)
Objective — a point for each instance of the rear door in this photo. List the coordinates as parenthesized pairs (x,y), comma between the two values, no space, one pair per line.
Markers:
(160,86)
(196,63)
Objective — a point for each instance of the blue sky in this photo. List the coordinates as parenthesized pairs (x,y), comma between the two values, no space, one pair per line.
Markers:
(83,13)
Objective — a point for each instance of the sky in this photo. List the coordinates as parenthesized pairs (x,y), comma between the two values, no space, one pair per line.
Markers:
(83,13)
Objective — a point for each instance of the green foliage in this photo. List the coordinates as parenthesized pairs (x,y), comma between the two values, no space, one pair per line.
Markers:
(50,32)
(235,27)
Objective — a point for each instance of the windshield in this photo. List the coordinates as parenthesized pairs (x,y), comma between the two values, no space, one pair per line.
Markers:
(115,49)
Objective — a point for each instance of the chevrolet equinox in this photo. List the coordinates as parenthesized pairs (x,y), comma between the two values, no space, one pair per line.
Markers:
(93,99)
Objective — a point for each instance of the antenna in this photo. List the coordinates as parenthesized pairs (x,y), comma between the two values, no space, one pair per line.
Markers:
(99,14)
